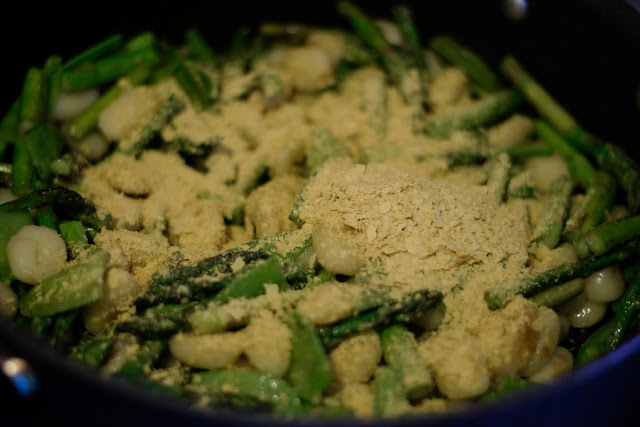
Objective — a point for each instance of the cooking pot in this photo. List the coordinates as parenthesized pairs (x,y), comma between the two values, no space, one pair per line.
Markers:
(586,52)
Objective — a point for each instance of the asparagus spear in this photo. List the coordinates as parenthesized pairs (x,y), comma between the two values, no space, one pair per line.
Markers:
(74,287)
(403,17)
(499,177)
(30,114)
(401,354)
(609,336)
(579,166)
(609,157)
(93,352)
(199,46)
(95,52)
(324,146)
(67,203)
(480,112)
(86,122)
(500,295)
(389,396)
(108,69)
(159,322)
(243,383)
(598,199)
(548,229)
(504,385)
(558,294)
(310,370)
(193,85)
(607,236)
(75,236)
(457,54)
(9,127)
(406,310)
(204,279)
(391,62)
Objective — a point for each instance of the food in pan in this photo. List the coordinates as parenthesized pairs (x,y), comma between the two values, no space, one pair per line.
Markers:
(317,221)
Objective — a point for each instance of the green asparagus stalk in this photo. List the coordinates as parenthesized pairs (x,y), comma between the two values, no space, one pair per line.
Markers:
(558,294)
(67,203)
(324,146)
(504,385)
(86,122)
(75,236)
(498,180)
(537,95)
(310,370)
(461,56)
(243,383)
(45,145)
(529,150)
(610,335)
(65,330)
(74,287)
(159,322)
(401,354)
(192,85)
(406,310)
(580,167)
(202,280)
(609,157)
(95,52)
(93,352)
(52,73)
(371,35)
(9,127)
(374,104)
(607,236)
(199,47)
(403,18)
(392,63)
(481,112)
(592,211)
(108,69)
(500,295)
(389,397)
(548,229)
(144,359)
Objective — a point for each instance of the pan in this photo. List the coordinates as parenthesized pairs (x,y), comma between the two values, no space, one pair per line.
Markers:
(586,52)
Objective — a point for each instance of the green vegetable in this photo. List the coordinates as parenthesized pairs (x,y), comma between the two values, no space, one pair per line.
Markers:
(409,308)
(389,394)
(401,354)
(109,69)
(252,385)
(310,370)
(607,236)
(609,157)
(74,287)
(500,295)
(548,229)
(87,122)
(478,113)
(611,334)
(580,168)
(461,56)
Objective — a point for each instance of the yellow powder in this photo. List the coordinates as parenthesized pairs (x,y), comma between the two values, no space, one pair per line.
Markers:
(419,226)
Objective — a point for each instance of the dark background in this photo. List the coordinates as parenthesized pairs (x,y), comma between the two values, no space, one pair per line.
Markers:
(586,52)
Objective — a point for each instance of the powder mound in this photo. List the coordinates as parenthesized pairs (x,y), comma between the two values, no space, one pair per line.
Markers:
(433,225)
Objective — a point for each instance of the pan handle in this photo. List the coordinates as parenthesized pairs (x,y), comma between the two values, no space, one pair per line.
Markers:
(20,375)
